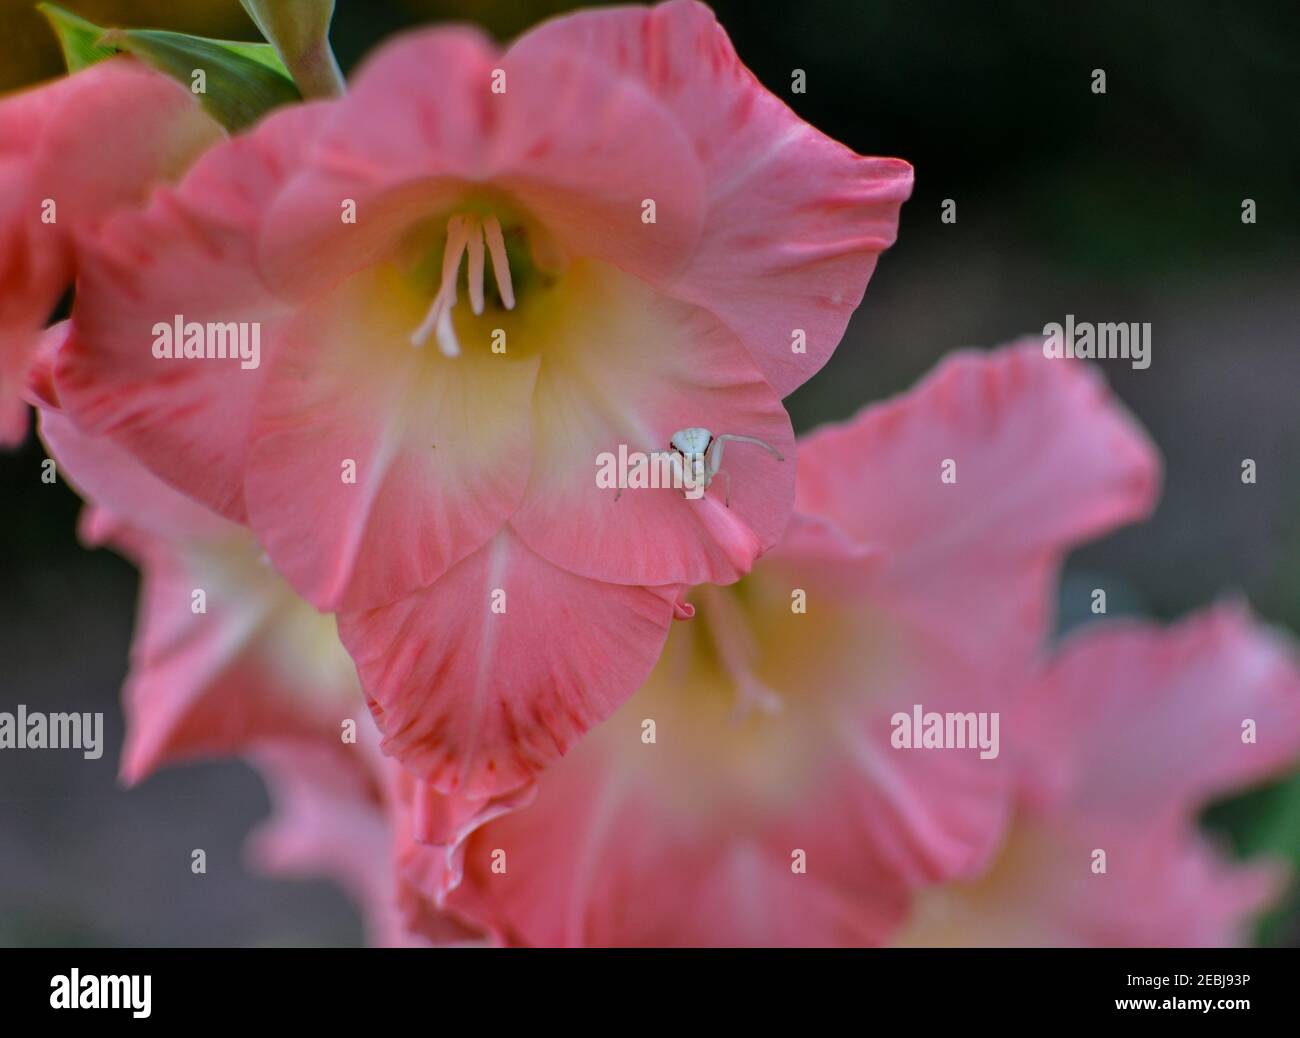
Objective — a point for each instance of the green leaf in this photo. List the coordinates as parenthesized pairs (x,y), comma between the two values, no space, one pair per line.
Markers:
(78,38)
(241,81)
(238,90)
(1266,821)
(262,53)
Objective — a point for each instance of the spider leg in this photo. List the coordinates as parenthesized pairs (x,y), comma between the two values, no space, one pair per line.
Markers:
(727,499)
(713,457)
(679,470)
(719,442)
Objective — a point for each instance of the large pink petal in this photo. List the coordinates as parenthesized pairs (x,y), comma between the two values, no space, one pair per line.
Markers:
(441,448)
(433,830)
(572,147)
(840,673)
(633,368)
(477,701)
(119,130)
(191,252)
(258,663)
(793,220)
(252,668)
(35,267)
(122,490)
(1167,888)
(1123,740)
(1137,722)
(604,857)
(1044,459)
(54,147)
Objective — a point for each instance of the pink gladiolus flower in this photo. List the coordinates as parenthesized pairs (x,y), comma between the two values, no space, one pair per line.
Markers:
(257,672)
(753,791)
(226,659)
(225,655)
(1127,735)
(71,152)
(651,242)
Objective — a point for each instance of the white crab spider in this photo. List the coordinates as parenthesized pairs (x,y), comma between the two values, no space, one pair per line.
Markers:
(696,457)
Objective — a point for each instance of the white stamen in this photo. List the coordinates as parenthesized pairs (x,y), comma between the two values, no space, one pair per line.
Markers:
(465,234)
(446,333)
(496,244)
(430,320)
(457,237)
(474,270)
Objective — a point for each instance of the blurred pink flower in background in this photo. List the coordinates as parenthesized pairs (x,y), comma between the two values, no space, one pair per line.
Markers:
(250,661)
(671,247)
(773,727)
(259,673)
(62,174)
(1126,736)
